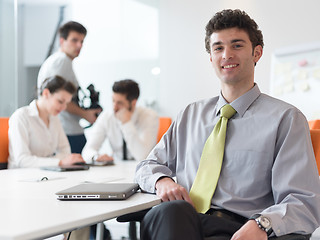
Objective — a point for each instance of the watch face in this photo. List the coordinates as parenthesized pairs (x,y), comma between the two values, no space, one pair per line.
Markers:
(265,222)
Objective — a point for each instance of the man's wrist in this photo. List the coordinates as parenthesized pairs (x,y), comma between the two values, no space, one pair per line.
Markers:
(161,179)
(95,157)
(263,222)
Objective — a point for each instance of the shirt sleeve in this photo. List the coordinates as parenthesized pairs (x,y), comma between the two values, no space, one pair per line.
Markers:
(142,137)
(295,180)
(96,137)
(19,145)
(64,148)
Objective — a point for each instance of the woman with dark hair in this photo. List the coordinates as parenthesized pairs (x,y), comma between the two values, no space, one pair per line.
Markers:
(36,137)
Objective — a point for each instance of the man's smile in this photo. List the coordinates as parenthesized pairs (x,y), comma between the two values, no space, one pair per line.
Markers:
(230,66)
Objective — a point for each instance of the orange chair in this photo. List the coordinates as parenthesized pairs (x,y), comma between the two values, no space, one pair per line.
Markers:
(164,124)
(314,124)
(4,142)
(315,138)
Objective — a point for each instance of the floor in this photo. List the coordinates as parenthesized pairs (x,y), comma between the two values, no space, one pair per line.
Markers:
(119,231)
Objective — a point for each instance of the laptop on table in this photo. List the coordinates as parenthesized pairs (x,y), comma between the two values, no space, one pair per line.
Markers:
(99,191)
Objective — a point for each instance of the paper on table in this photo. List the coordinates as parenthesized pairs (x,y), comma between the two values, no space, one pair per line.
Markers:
(40,179)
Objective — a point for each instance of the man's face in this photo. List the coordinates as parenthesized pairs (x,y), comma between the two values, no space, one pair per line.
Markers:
(73,44)
(120,101)
(232,56)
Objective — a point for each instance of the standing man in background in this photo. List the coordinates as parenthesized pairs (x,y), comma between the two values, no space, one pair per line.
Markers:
(131,130)
(72,35)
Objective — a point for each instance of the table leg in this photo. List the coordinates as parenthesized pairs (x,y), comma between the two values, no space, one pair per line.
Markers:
(100,228)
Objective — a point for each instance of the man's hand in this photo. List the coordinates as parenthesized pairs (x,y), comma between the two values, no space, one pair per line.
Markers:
(104,158)
(91,114)
(71,159)
(250,231)
(168,190)
(124,115)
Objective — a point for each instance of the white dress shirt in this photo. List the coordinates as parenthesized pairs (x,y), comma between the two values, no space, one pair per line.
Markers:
(140,134)
(32,143)
(268,166)
(60,64)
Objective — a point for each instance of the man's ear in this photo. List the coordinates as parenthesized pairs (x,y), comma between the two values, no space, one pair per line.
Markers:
(257,53)
(133,103)
(61,40)
(210,58)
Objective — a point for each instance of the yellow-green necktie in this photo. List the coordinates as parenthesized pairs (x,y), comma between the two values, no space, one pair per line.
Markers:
(208,172)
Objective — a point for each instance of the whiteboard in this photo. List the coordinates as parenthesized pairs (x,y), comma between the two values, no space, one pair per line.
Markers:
(295,77)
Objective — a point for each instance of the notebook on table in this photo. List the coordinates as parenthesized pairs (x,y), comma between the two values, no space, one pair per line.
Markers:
(66,168)
(99,191)
(101,163)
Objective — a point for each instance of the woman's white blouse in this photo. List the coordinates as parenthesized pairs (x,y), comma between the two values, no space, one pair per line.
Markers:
(32,143)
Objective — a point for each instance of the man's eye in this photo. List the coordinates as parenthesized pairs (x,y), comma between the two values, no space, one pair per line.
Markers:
(217,49)
(237,46)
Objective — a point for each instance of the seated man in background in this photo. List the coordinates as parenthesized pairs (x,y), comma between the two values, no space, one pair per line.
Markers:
(243,161)
(131,130)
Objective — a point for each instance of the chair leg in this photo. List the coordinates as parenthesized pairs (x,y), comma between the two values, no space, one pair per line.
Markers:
(132,231)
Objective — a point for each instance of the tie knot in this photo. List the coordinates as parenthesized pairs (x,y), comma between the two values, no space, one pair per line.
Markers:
(227,111)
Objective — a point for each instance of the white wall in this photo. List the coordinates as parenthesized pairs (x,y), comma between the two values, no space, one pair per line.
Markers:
(122,42)
(186,74)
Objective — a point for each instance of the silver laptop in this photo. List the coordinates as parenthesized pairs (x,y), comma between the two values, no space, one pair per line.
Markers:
(99,191)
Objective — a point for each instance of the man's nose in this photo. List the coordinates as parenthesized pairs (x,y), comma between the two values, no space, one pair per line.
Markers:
(79,44)
(227,53)
(115,107)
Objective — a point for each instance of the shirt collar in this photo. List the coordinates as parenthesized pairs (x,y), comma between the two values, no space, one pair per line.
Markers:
(64,54)
(242,103)
(33,110)
(134,116)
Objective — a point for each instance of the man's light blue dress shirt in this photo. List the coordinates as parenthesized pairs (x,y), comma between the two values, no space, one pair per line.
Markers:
(268,167)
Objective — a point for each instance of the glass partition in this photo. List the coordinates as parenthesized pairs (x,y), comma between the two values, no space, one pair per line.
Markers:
(8,72)
(122,42)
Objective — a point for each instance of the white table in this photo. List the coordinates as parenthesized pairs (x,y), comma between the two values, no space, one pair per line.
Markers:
(30,210)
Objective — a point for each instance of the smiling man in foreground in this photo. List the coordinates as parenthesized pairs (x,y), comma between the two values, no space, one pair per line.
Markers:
(243,161)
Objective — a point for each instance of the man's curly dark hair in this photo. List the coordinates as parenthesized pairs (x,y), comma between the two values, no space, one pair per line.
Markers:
(229,18)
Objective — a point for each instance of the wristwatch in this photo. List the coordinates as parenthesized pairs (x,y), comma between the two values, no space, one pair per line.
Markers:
(263,222)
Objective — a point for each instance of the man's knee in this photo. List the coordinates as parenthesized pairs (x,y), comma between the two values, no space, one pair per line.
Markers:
(173,208)
(172,212)
(172,220)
